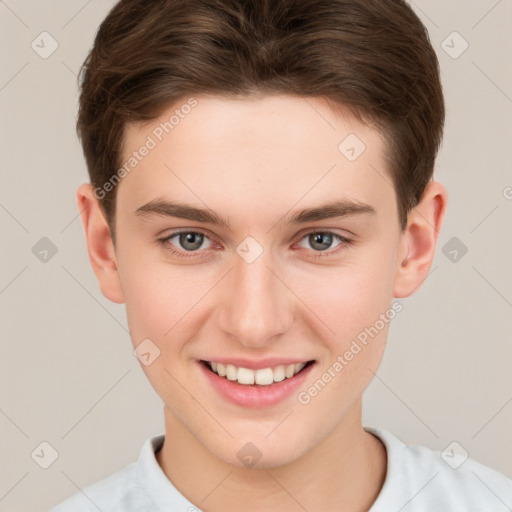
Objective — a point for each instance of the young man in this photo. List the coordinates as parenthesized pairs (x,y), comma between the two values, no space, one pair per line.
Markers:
(261,189)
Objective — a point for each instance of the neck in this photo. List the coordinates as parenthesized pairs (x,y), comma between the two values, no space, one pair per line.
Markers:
(344,472)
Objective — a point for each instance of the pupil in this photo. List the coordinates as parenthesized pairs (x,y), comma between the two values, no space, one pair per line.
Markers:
(187,238)
(317,240)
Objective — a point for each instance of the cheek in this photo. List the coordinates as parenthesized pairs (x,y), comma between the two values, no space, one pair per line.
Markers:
(359,313)
(145,308)
(356,306)
(165,303)
(158,307)
(155,298)
(351,298)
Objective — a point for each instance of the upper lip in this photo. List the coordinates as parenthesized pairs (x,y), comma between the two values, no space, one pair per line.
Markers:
(254,364)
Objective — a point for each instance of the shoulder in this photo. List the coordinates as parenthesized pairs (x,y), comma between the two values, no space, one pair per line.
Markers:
(141,485)
(421,479)
(106,494)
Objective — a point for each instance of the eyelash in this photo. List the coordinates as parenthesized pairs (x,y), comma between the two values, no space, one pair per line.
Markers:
(191,254)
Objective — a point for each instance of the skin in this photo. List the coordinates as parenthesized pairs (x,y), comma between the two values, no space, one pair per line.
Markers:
(256,161)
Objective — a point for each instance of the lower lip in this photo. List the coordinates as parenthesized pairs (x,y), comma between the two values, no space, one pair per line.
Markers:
(255,396)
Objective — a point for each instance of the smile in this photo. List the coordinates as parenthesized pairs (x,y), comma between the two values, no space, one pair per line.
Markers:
(260,377)
(255,384)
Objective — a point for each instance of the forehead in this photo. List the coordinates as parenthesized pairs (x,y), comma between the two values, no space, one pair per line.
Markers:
(254,155)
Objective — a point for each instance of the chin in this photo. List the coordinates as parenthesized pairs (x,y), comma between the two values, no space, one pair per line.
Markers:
(256,452)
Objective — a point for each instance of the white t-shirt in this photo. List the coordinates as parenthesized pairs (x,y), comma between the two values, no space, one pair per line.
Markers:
(418,479)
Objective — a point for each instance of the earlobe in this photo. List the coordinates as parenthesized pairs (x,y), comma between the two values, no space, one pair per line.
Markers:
(419,240)
(99,243)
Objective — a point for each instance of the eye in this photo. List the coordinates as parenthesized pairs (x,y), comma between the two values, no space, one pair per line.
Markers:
(321,241)
(190,243)
(186,242)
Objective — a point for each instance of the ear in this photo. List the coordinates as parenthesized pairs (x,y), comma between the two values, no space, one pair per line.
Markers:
(99,243)
(419,239)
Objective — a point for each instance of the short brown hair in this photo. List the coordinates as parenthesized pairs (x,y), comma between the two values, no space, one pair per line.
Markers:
(373,56)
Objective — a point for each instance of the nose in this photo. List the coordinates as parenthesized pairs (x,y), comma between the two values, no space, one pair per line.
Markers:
(258,307)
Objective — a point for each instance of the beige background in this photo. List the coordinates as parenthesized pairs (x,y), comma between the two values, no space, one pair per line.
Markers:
(68,375)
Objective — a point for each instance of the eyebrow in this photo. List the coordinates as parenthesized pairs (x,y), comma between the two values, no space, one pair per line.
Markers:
(333,209)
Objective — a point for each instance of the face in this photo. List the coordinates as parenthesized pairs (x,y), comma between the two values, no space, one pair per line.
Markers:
(248,236)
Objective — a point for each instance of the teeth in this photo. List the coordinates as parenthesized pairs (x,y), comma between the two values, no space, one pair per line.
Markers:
(299,366)
(289,371)
(262,377)
(231,372)
(279,373)
(245,376)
